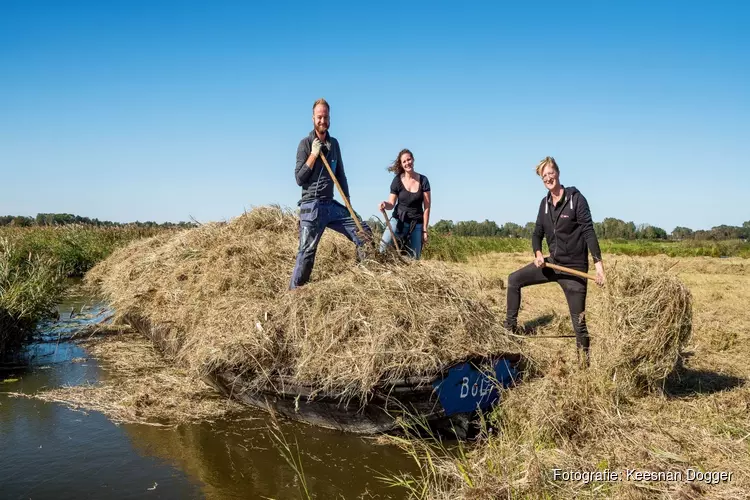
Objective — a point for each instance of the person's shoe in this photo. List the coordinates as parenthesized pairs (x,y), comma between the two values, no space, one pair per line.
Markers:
(583,358)
(514,329)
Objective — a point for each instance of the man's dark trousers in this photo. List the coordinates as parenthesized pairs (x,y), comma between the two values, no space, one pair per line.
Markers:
(315,216)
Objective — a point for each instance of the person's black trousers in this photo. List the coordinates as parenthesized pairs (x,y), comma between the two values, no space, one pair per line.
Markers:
(573,287)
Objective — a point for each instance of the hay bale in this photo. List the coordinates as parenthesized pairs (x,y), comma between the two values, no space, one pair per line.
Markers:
(646,321)
(220,293)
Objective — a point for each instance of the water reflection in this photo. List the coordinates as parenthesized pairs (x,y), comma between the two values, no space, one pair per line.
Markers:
(238,459)
(50,451)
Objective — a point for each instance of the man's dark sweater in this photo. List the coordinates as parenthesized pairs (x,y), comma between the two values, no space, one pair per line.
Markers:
(316,183)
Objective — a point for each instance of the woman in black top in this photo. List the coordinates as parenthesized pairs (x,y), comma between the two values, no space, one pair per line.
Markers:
(564,219)
(410,200)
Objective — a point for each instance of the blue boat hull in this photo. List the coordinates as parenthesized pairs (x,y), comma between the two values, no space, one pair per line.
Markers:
(474,385)
(461,390)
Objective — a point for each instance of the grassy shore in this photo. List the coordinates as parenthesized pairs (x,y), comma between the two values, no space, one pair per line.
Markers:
(461,248)
(570,419)
(74,247)
(34,263)
(30,286)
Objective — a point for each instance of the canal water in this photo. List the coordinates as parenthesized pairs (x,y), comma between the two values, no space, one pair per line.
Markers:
(50,451)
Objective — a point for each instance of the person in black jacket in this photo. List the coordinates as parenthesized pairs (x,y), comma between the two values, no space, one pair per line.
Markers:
(564,219)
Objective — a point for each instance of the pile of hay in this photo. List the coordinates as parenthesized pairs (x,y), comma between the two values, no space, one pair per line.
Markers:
(220,293)
(646,321)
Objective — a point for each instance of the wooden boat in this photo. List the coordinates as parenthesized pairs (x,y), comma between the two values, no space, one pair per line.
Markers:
(447,400)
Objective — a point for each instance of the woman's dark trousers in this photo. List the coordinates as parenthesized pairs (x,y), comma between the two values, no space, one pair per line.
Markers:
(573,287)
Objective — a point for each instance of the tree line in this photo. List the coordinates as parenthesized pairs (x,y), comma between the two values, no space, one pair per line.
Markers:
(53,219)
(609,228)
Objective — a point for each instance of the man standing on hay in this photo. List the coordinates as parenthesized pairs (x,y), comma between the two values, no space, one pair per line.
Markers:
(318,209)
(564,219)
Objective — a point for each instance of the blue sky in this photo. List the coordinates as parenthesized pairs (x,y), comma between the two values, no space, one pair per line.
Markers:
(148,110)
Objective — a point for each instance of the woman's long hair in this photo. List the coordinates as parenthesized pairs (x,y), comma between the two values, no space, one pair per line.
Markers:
(396,166)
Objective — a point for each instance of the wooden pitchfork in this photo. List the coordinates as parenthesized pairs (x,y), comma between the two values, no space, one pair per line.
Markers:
(393,234)
(343,197)
(568,270)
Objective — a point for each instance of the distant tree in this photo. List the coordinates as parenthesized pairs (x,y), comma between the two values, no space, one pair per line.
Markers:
(682,233)
(512,230)
(725,232)
(528,230)
(488,228)
(443,226)
(599,230)
(21,221)
(611,228)
(615,228)
(629,231)
(745,234)
(649,232)
(465,228)
(658,233)
(702,235)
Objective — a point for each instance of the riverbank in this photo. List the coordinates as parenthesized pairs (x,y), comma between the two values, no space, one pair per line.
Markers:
(556,427)
(34,263)
(74,247)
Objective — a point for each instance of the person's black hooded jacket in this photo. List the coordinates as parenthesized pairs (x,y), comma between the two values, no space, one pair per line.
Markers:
(568,229)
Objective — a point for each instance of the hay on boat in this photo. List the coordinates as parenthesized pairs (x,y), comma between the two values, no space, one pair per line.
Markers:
(220,293)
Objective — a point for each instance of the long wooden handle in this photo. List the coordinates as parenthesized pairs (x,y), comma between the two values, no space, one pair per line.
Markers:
(568,270)
(388,223)
(343,196)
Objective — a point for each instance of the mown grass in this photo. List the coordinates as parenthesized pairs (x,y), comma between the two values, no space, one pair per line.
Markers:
(566,418)
(34,262)
(461,248)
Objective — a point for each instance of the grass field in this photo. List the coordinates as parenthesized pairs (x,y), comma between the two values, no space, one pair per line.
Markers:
(461,248)
(565,419)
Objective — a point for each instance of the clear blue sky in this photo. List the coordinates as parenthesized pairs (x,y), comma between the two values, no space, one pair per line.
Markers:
(149,110)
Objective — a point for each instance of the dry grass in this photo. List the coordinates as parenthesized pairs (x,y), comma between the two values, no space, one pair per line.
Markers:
(646,317)
(590,421)
(141,387)
(220,293)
